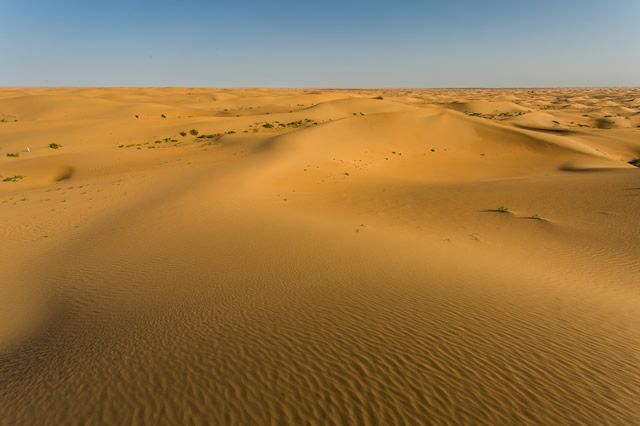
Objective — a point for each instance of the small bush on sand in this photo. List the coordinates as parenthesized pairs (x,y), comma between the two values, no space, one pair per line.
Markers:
(12,178)
(635,162)
(163,116)
(194,132)
(215,135)
(54,146)
(13,154)
(503,209)
(183,134)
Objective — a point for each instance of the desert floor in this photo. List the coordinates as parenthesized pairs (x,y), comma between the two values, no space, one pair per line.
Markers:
(319,256)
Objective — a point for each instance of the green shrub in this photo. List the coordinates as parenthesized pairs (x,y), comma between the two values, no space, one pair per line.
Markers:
(295,124)
(194,132)
(54,146)
(503,209)
(635,162)
(12,178)
(215,135)
(13,154)
(163,116)
(183,134)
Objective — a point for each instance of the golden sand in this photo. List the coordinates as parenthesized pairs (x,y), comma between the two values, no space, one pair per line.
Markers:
(319,256)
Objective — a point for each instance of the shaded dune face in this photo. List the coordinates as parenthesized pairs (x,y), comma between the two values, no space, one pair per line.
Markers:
(319,257)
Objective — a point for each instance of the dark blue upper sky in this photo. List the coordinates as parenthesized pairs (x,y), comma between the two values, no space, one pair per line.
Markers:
(348,43)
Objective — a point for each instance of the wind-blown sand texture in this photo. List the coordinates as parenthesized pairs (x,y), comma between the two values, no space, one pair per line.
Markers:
(319,256)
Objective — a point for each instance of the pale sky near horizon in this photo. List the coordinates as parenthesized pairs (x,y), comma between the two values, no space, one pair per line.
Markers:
(348,43)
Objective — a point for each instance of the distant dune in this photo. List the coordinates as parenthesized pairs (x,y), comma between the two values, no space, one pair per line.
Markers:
(315,256)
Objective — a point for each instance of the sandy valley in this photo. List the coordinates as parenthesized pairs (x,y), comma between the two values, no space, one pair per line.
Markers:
(257,256)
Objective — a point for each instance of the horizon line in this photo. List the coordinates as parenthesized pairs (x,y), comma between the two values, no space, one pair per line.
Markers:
(318,87)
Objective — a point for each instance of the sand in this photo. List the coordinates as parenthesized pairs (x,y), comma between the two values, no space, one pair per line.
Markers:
(319,256)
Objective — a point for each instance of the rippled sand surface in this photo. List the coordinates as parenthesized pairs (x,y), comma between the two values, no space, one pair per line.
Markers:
(319,256)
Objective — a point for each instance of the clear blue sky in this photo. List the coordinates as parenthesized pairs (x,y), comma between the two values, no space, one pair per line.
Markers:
(347,43)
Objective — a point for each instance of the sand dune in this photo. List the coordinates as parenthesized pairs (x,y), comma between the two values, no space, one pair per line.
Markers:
(319,256)
(484,107)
